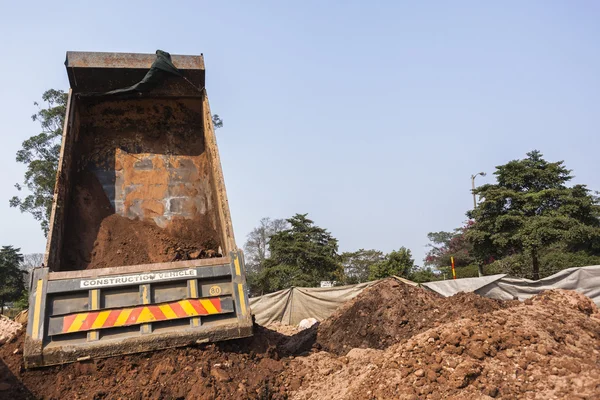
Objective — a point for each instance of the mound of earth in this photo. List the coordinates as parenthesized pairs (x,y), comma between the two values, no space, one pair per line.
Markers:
(390,311)
(545,348)
(240,369)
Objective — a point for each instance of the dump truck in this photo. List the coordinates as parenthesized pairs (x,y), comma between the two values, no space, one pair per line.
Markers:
(141,253)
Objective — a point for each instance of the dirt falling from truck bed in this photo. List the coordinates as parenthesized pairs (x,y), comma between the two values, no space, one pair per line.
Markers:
(98,238)
(105,239)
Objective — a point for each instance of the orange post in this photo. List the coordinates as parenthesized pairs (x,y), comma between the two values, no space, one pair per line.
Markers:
(453,270)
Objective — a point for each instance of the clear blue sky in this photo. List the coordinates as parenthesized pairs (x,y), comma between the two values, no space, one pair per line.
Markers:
(369,116)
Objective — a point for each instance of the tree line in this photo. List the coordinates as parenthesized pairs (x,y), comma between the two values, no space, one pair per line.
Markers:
(282,253)
(15,269)
(529,224)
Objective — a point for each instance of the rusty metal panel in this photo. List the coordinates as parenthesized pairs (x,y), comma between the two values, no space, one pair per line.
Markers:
(147,172)
(146,160)
(102,72)
(218,180)
(211,267)
(86,59)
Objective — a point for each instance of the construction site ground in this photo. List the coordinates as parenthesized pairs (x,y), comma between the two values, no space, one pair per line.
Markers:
(393,341)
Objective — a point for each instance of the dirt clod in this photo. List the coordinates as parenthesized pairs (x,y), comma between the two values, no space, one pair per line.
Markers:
(214,371)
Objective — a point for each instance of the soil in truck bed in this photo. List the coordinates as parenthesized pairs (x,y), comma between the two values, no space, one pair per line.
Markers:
(105,239)
(142,189)
(122,241)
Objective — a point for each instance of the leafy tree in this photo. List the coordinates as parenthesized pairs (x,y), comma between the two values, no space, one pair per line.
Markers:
(22,303)
(399,263)
(438,247)
(357,263)
(450,244)
(256,248)
(556,259)
(302,255)
(12,285)
(552,260)
(40,153)
(530,214)
(425,274)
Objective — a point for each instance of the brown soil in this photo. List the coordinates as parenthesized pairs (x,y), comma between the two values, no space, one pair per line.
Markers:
(241,369)
(547,348)
(121,241)
(89,206)
(392,311)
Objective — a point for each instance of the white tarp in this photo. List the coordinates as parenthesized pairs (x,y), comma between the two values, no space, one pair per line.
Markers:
(290,306)
(452,286)
(585,280)
(582,279)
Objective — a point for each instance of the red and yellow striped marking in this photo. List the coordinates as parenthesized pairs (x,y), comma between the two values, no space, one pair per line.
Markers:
(139,315)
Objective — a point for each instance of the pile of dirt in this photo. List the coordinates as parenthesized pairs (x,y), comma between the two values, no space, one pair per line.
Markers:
(546,348)
(461,347)
(390,311)
(8,328)
(122,241)
(249,368)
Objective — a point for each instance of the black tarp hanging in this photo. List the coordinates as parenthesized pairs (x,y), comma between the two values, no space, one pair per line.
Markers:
(160,69)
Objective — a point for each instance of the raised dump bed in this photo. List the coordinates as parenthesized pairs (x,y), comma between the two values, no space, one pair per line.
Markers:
(141,253)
